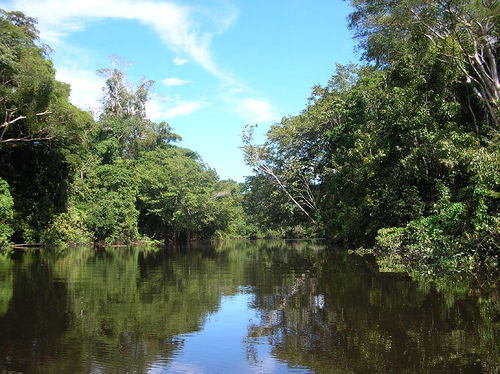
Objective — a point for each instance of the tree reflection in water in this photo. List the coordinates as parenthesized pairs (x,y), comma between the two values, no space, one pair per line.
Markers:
(344,315)
(314,310)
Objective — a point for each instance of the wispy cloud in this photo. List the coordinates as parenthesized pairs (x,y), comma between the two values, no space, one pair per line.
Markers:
(86,87)
(185,30)
(184,108)
(169,82)
(163,109)
(254,110)
(178,26)
(180,61)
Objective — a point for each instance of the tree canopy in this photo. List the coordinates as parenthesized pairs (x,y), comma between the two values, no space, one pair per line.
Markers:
(402,152)
(66,177)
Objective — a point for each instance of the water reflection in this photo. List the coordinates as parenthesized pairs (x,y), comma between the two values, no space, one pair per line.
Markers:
(246,307)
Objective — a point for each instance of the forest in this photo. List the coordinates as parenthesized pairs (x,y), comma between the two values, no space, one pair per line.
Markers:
(67,177)
(399,153)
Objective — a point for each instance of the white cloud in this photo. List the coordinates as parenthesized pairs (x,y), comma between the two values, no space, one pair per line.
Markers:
(169,82)
(86,87)
(180,61)
(185,30)
(161,110)
(184,108)
(177,25)
(254,110)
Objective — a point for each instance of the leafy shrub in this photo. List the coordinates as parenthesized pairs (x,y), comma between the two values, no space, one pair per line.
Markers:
(67,228)
(6,214)
(430,238)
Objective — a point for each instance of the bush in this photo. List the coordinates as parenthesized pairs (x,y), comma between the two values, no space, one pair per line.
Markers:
(67,228)
(433,238)
(6,215)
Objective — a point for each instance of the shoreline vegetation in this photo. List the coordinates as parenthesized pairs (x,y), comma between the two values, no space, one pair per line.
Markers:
(396,156)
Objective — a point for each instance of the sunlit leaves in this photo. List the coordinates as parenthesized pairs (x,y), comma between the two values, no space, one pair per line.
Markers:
(462,34)
(6,214)
(124,113)
(180,198)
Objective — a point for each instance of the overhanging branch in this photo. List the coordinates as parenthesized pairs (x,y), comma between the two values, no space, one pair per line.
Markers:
(9,120)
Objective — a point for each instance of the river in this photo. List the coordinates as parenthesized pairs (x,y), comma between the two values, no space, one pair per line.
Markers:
(239,307)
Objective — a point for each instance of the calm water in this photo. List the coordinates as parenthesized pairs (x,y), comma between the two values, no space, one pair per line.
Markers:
(243,307)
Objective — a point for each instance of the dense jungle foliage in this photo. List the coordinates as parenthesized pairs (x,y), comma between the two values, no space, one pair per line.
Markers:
(403,151)
(400,152)
(67,177)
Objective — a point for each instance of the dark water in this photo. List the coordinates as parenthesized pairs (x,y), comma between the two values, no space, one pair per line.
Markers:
(243,307)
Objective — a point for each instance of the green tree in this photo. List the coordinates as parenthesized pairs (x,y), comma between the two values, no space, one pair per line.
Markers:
(6,214)
(435,54)
(386,148)
(124,114)
(104,193)
(402,149)
(177,195)
(32,103)
(107,198)
(42,134)
(459,32)
(281,164)
(295,158)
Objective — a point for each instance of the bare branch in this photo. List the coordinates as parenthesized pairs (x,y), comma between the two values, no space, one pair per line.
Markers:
(26,139)
(269,171)
(476,51)
(9,121)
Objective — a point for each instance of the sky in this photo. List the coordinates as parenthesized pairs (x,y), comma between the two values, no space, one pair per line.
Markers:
(218,65)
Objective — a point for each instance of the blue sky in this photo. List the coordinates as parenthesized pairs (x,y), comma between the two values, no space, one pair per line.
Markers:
(218,65)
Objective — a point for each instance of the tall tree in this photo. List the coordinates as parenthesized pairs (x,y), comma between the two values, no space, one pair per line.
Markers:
(284,168)
(294,159)
(27,81)
(178,196)
(41,135)
(124,113)
(6,214)
(461,32)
